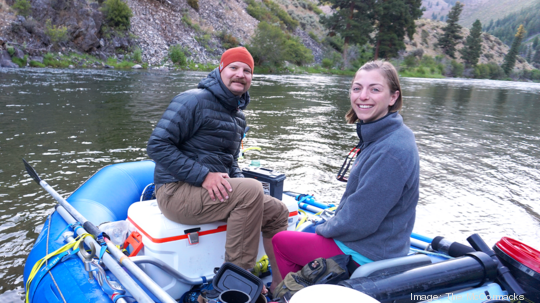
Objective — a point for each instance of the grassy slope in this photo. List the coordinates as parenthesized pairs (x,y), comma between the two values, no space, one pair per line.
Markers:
(492,9)
(484,10)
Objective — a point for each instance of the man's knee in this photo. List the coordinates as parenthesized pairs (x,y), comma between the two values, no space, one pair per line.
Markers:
(252,191)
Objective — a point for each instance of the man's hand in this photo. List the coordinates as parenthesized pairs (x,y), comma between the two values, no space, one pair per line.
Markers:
(217,186)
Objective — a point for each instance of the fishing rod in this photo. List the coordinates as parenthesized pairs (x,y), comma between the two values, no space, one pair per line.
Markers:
(113,264)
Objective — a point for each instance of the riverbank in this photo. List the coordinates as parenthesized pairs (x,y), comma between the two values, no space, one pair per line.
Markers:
(410,66)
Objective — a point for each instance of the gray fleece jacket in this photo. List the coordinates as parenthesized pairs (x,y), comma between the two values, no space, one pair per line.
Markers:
(377,211)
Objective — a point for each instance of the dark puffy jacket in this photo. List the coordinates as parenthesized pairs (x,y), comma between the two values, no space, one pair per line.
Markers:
(200,132)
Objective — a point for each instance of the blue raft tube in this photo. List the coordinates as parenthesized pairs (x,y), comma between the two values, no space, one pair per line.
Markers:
(106,197)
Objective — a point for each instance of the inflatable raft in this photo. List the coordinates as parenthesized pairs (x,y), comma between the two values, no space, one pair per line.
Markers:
(162,261)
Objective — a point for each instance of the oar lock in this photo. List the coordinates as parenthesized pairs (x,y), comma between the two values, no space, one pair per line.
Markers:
(88,257)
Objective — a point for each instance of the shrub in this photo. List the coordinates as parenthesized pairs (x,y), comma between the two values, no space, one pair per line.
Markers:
(261,13)
(23,7)
(267,45)
(122,64)
(187,20)
(177,55)
(327,63)
(410,60)
(425,35)
(419,52)
(535,74)
(313,7)
(456,68)
(36,64)
(296,52)
(20,62)
(117,14)
(203,40)
(495,71)
(281,14)
(10,50)
(194,4)
(270,12)
(336,42)
(227,40)
(428,61)
(313,36)
(57,34)
(49,60)
(137,55)
(481,71)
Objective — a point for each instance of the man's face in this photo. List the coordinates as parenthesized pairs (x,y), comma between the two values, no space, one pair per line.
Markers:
(237,77)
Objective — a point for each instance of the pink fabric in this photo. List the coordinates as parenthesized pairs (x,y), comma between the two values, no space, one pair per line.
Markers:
(294,250)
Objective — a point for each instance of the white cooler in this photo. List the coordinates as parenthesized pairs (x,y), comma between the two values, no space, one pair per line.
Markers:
(167,241)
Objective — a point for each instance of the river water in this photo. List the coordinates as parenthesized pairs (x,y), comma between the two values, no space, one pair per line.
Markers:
(478,140)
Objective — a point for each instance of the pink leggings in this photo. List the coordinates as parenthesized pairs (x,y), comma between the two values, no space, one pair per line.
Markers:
(296,249)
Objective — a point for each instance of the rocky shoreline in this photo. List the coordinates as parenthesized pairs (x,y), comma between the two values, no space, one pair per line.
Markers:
(155,27)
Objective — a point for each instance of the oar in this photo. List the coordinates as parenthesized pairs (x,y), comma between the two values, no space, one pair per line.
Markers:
(134,288)
(87,225)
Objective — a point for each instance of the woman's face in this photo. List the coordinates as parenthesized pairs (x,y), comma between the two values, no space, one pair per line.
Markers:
(370,95)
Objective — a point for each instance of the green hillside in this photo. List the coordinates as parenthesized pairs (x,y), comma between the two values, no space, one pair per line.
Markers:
(505,28)
(483,10)
(486,10)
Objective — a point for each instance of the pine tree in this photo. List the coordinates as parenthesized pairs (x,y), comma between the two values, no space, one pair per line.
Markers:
(452,31)
(535,43)
(395,19)
(510,58)
(536,58)
(353,20)
(472,50)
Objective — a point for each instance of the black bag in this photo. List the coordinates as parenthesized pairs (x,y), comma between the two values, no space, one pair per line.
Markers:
(319,271)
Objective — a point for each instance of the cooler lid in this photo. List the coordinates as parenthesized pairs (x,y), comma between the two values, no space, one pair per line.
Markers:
(520,252)
(260,172)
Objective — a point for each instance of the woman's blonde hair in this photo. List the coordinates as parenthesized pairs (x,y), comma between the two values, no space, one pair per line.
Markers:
(388,71)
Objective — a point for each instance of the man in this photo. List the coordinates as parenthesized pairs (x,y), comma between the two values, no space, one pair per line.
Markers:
(195,146)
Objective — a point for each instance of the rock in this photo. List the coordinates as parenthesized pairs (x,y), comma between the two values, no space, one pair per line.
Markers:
(18,53)
(120,56)
(2,41)
(36,58)
(108,66)
(5,60)
(71,66)
(102,56)
(120,42)
(136,66)
(85,38)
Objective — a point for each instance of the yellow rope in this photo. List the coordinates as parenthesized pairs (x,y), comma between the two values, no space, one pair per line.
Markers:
(305,217)
(42,261)
(303,220)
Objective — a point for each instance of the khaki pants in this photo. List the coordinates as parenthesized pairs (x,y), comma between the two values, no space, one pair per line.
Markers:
(248,211)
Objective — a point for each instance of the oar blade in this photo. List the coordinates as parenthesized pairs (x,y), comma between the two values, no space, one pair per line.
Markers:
(31,171)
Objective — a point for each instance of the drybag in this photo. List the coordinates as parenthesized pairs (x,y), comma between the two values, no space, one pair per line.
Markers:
(318,271)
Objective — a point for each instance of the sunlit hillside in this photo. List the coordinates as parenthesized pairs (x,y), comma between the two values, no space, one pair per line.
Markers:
(484,10)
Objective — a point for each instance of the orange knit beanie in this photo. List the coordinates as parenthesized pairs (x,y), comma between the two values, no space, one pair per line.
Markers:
(237,54)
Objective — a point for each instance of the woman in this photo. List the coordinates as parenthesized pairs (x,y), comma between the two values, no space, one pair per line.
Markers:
(375,217)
